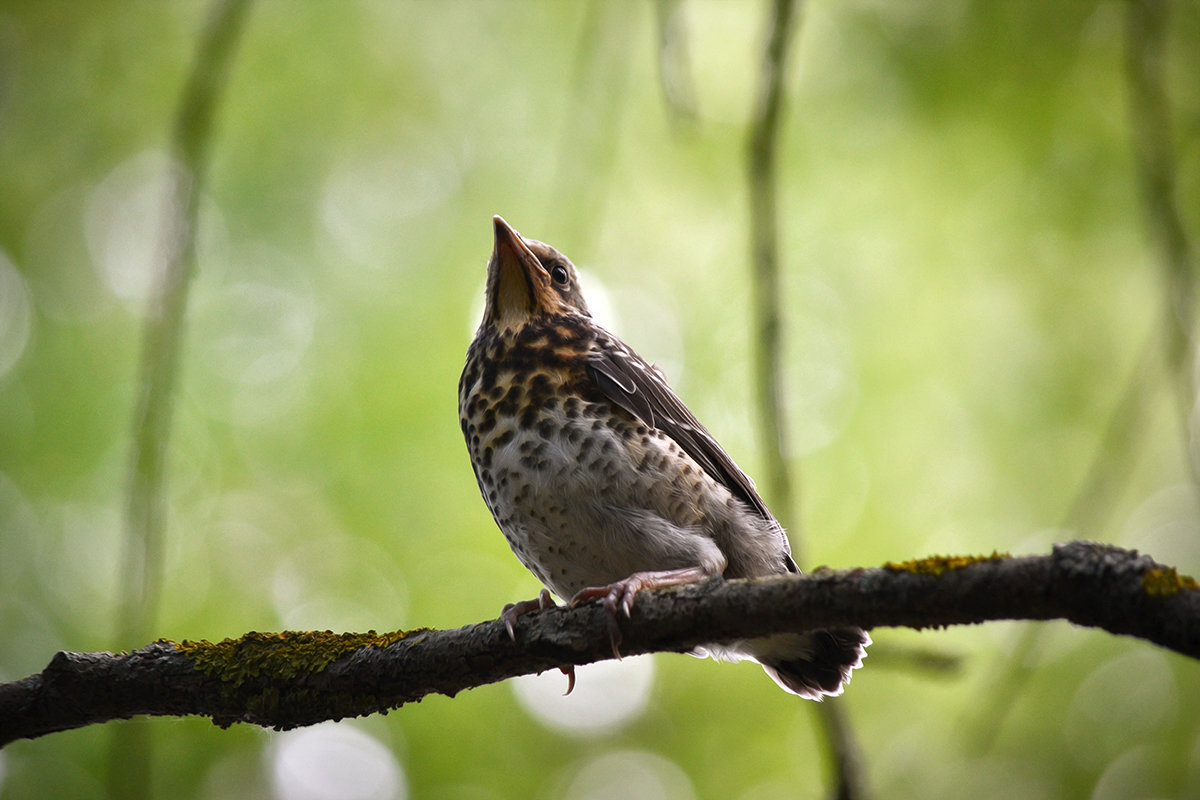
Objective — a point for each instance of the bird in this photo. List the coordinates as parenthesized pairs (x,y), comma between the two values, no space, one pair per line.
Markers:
(601,479)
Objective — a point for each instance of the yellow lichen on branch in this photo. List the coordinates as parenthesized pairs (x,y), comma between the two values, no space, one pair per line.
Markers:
(937,565)
(1166,581)
(282,655)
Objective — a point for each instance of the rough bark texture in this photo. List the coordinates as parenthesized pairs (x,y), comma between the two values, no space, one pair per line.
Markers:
(287,680)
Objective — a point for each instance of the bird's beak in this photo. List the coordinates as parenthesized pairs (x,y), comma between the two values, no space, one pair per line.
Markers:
(511,276)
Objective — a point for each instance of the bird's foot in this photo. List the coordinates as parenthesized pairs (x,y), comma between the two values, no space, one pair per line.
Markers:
(621,594)
(514,611)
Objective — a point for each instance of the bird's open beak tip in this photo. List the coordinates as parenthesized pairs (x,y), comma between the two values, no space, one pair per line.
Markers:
(506,237)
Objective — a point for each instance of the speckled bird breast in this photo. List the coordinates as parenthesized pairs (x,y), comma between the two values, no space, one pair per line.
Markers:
(584,492)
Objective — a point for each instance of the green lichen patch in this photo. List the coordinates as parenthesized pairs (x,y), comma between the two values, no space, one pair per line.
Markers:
(280,656)
(1165,581)
(937,565)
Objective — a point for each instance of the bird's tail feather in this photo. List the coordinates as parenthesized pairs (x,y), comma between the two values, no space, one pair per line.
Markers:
(813,665)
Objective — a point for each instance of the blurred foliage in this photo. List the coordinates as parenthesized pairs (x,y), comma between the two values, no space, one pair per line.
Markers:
(970,284)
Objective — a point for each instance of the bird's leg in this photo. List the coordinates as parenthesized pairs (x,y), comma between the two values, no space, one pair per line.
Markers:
(513,611)
(621,594)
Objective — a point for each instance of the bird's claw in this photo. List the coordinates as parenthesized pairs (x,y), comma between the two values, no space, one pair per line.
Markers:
(569,671)
(514,611)
(619,595)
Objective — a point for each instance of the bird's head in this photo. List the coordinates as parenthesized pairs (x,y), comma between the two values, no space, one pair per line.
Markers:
(527,279)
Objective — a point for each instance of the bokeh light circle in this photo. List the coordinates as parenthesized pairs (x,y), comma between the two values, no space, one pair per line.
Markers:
(607,695)
(630,775)
(334,761)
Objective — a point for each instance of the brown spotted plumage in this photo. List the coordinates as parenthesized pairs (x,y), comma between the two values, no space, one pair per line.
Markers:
(601,479)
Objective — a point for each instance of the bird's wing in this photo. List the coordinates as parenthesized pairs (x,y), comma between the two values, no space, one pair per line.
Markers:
(635,386)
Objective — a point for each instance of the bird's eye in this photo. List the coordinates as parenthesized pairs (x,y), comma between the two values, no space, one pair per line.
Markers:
(558,274)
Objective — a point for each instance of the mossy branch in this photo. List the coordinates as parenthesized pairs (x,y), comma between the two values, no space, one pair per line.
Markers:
(287,680)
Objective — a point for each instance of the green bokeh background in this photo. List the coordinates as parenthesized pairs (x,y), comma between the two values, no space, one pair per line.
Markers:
(970,288)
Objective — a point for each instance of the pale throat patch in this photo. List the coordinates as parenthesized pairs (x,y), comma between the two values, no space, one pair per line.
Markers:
(514,298)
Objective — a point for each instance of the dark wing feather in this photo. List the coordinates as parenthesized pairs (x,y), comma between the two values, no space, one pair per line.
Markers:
(635,386)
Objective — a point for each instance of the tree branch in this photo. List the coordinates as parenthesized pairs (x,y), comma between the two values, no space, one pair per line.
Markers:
(145,508)
(287,680)
(762,172)
(1146,26)
(848,778)
(162,346)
